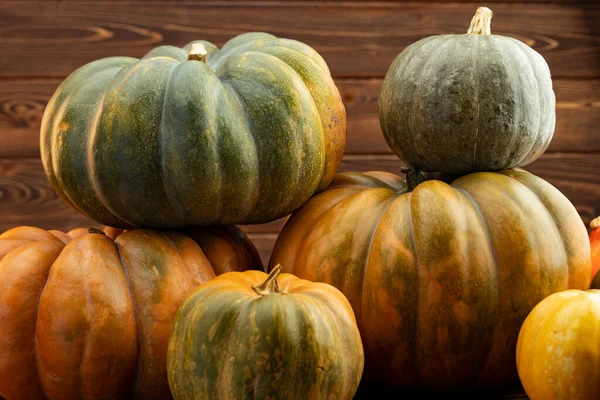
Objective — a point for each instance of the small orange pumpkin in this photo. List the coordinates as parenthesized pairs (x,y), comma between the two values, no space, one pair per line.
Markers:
(557,349)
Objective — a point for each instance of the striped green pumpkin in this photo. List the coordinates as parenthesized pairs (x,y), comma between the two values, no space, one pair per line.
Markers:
(249,335)
(244,134)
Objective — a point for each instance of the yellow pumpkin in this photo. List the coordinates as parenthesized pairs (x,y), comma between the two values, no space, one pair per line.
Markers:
(558,348)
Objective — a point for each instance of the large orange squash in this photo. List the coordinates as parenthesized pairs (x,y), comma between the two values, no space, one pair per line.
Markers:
(89,317)
(441,277)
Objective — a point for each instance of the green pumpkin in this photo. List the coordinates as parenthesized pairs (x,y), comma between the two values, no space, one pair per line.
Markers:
(247,335)
(195,135)
(468,103)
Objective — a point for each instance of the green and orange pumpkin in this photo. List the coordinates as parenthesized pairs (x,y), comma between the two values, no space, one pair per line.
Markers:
(195,136)
(440,275)
(88,316)
(246,335)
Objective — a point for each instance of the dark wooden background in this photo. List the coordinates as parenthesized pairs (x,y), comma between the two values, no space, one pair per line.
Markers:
(41,42)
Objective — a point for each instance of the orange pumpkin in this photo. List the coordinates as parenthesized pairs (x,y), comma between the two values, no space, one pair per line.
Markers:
(87,316)
(558,350)
(440,276)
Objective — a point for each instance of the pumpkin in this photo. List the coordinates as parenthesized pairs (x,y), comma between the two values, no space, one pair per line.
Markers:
(89,317)
(195,136)
(249,335)
(595,245)
(557,351)
(440,276)
(468,103)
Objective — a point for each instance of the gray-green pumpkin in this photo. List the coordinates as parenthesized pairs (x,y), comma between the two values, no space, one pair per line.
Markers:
(468,103)
(195,135)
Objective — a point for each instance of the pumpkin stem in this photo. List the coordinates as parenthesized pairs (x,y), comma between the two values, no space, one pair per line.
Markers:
(95,230)
(270,285)
(414,177)
(595,224)
(197,52)
(480,24)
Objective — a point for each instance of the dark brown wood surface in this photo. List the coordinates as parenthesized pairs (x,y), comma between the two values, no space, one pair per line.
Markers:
(42,42)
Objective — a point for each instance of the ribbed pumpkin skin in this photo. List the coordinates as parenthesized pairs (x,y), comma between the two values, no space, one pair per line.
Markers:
(162,142)
(229,342)
(100,329)
(441,278)
(468,103)
(558,352)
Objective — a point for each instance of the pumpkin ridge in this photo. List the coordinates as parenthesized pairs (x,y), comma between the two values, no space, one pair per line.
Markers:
(526,158)
(229,49)
(484,360)
(535,149)
(242,107)
(397,73)
(54,159)
(412,103)
(298,166)
(318,113)
(16,251)
(173,209)
(366,262)
(553,223)
(414,359)
(133,385)
(91,165)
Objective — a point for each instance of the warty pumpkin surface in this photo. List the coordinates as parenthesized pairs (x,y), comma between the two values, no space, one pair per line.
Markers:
(440,278)
(461,103)
(89,317)
(246,335)
(195,136)
(558,351)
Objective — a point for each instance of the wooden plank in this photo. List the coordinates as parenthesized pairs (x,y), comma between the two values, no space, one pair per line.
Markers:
(27,199)
(22,104)
(51,39)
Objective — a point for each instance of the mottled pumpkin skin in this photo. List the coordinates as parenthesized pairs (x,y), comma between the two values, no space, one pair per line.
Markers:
(161,142)
(558,350)
(440,278)
(229,342)
(468,103)
(86,317)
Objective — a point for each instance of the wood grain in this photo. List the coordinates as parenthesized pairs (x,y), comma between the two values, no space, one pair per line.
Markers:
(27,199)
(22,104)
(357,39)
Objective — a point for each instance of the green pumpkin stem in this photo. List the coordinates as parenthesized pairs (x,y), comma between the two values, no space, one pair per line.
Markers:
(270,285)
(414,177)
(197,52)
(595,224)
(480,24)
(96,230)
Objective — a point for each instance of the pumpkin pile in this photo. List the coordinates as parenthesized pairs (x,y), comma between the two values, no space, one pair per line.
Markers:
(441,273)
(406,282)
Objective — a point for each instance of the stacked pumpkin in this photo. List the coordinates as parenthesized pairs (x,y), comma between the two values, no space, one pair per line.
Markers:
(442,273)
(435,277)
(169,152)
